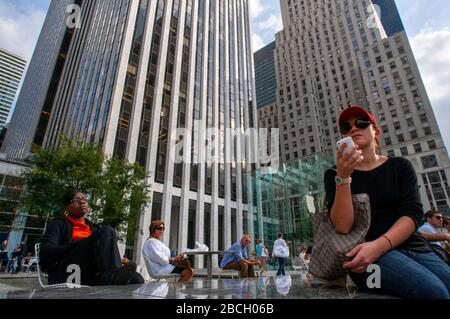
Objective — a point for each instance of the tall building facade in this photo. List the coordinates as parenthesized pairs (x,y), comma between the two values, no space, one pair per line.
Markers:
(390,17)
(127,78)
(265,75)
(11,72)
(45,63)
(332,54)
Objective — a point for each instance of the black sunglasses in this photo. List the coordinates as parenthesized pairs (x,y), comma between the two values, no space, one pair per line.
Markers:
(360,123)
(160,228)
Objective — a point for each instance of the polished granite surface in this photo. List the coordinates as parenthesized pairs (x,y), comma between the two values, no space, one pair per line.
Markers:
(298,286)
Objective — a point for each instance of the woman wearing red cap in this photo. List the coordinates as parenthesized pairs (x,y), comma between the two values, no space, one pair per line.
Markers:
(409,268)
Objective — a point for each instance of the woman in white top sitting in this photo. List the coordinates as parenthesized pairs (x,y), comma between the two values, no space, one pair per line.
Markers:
(158,257)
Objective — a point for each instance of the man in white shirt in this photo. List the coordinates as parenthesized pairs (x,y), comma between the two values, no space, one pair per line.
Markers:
(432,229)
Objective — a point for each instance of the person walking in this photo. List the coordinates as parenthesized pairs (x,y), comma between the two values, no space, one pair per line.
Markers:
(281,252)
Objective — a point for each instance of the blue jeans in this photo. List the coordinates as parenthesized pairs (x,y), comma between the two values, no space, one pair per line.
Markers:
(280,271)
(411,275)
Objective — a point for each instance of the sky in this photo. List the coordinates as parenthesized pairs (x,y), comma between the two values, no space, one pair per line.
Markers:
(426,22)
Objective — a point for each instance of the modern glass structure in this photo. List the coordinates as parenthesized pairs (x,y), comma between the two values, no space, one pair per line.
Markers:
(11,72)
(127,78)
(265,75)
(390,17)
(287,199)
(15,225)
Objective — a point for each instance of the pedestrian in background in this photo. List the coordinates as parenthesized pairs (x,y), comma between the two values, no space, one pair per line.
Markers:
(281,252)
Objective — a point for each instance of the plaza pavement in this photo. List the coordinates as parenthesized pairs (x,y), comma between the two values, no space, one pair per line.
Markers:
(295,285)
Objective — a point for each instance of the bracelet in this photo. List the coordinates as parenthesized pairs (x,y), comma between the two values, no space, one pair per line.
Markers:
(390,242)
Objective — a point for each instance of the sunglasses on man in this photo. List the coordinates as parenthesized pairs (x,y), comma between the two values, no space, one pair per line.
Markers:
(360,124)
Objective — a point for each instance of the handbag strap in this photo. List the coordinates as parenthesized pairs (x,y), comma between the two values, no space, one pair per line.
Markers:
(325,201)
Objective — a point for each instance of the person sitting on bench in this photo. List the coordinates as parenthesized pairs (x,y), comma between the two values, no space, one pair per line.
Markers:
(236,258)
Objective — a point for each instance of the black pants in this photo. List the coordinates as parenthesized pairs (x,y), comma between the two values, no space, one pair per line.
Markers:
(280,271)
(19,263)
(97,256)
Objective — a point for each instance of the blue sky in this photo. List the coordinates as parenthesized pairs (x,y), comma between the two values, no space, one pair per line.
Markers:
(427,24)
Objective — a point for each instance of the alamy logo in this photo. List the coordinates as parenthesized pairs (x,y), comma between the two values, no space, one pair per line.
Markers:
(256,146)
(74,279)
(375,14)
(74,19)
(374,280)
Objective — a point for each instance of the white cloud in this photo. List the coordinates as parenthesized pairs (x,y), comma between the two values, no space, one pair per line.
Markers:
(273,22)
(256,8)
(431,48)
(20,26)
(257,42)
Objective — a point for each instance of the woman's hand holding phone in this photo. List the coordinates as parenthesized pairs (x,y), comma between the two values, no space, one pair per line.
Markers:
(348,157)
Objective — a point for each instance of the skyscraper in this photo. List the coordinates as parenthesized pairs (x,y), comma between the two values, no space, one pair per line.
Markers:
(390,17)
(42,75)
(332,54)
(265,76)
(11,72)
(127,78)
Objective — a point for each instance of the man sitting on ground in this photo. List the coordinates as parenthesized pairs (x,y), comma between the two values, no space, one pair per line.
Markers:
(236,258)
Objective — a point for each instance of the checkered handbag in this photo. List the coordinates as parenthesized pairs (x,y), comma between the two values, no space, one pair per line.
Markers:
(330,247)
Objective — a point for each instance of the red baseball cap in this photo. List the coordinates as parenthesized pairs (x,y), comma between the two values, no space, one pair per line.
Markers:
(358,111)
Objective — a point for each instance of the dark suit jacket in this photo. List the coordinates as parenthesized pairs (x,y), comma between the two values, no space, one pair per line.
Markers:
(57,241)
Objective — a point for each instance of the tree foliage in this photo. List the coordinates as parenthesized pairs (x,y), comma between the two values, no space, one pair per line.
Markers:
(118,190)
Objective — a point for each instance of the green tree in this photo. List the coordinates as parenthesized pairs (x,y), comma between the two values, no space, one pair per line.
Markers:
(118,190)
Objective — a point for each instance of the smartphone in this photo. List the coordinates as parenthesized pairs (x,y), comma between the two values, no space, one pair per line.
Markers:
(348,141)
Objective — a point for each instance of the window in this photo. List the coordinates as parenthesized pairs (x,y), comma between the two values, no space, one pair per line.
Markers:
(406,109)
(417,148)
(413,134)
(423,118)
(387,140)
(419,105)
(391,102)
(400,138)
(404,151)
(391,153)
(405,60)
(432,145)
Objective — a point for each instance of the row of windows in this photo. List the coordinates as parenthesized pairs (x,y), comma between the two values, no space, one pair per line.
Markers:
(416,148)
